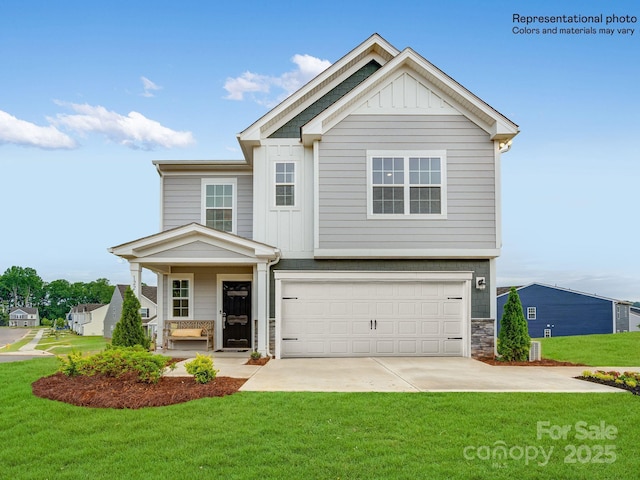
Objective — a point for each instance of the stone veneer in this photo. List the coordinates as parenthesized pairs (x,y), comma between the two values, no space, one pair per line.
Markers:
(483,337)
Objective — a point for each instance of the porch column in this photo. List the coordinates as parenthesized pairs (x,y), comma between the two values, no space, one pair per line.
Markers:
(136,278)
(263,317)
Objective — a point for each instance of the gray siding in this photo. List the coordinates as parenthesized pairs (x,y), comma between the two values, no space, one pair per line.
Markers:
(197,250)
(182,201)
(471,220)
(113,313)
(480,299)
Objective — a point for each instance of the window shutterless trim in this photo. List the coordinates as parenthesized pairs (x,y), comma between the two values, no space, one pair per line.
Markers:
(406,184)
(234,201)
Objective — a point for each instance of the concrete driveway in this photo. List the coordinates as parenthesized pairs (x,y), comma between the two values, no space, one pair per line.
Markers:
(407,374)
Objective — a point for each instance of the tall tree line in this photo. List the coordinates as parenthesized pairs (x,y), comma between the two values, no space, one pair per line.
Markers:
(23,287)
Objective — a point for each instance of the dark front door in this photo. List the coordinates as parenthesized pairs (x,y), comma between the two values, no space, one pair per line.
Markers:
(236,314)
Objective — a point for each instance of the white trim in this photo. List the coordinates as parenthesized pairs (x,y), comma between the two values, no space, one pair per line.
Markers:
(203,200)
(406,154)
(295,184)
(493,292)
(316,195)
(180,276)
(498,193)
(220,279)
(593,295)
(406,253)
(372,275)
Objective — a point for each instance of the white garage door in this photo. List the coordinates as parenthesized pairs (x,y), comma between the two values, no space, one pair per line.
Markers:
(363,318)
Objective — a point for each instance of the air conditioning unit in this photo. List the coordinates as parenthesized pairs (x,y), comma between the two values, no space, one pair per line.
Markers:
(535,351)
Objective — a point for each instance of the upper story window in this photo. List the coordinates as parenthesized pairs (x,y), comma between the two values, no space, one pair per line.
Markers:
(531,313)
(285,184)
(219,204)
(144,312)
(403,184)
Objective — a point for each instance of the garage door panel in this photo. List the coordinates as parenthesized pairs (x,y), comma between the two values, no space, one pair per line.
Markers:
(371,318)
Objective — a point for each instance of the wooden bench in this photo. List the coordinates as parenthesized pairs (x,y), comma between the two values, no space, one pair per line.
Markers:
(190,330)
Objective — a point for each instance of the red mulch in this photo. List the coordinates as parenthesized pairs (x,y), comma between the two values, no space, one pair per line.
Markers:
(99,391)
(258,361)
(545,362)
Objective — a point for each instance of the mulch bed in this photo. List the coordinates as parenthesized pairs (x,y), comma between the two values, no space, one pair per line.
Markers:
(545,362)
(100,391)
(634,390)
(258,361)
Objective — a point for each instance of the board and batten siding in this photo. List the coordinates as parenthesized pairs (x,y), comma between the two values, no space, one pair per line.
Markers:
(471,183)
(182,201)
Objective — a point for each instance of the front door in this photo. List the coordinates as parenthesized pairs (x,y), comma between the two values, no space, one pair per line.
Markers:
(236,315)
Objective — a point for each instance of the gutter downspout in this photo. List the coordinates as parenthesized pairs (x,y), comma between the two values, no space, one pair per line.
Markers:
(269,265)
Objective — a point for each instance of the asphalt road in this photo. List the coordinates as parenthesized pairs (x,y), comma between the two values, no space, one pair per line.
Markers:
(10,335)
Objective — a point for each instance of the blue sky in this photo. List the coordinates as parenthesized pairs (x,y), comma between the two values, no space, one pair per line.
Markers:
(92,92)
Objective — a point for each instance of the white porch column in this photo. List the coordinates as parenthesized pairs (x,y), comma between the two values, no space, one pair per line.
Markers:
(262,308)
(136,279)
(160,309)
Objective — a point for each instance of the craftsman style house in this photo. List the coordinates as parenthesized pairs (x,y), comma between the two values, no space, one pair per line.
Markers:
(363,220)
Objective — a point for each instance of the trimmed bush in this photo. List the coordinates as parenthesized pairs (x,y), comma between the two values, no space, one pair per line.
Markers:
(115,362)
(201,368)
(513,340)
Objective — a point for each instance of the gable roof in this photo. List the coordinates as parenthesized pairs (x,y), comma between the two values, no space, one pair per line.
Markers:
(568,290)
(27,310)
(391,60)
(150,292)
(86,307)
(167,248)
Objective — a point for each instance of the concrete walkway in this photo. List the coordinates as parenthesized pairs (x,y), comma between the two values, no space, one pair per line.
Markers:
(407,374)
(29,349)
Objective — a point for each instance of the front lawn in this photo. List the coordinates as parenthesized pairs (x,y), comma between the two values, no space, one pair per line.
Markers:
(619,350)
(66,341)
(318,435)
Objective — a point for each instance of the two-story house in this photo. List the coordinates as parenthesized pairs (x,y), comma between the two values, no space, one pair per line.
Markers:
(24,317)
(363,220)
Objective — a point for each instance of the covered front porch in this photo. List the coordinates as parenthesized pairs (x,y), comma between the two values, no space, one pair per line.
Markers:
(210,282)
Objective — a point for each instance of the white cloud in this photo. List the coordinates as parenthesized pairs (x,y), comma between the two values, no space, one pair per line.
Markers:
(149,87)
(21,132)
(260,86)
(133,131)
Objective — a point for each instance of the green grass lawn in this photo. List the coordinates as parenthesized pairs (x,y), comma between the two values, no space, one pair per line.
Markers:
(620,349)
(68,342)
(313,435)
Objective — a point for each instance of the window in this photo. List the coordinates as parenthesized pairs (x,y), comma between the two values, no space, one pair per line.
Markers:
(531,313)
(285,184)
(407,184)
(219,204)
(547,333)
(144,312)
(181,297)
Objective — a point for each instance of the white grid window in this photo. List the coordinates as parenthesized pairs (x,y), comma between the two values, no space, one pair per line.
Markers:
(531,313)
(405,184)
(547,333)
(285,184)
(219,207)
(180,298)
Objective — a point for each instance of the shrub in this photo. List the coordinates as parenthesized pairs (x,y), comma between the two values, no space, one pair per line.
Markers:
(513,340)
(201,368)
(115,362)
(256,355)
(128,332)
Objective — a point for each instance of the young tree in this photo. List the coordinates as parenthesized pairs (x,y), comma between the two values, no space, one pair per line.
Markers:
(128,332)
(513,340)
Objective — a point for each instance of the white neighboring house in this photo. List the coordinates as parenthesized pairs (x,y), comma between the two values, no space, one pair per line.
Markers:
(148,309)
(634,319)
(364,219)
(88,319)
(24,317)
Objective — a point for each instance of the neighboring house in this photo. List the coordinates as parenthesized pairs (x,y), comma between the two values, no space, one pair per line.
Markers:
(364,219)
(148,309)
(24,317)
(557,312)
(634,319)
(87,319)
